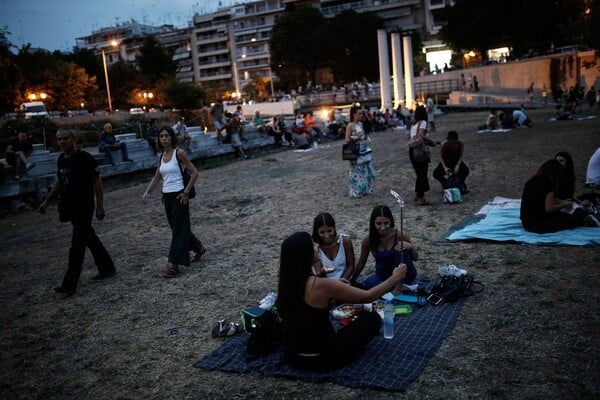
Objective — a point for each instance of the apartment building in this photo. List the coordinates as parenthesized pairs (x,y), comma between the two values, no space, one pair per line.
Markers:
(229,48)
(123,42)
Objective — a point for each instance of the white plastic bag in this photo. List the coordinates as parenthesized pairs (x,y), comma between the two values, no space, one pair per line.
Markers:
(452,195)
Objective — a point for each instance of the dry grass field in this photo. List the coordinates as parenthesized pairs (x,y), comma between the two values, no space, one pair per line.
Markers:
(532,334)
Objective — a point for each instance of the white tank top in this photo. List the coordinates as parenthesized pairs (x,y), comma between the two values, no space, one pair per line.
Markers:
(171,175)
(338,263)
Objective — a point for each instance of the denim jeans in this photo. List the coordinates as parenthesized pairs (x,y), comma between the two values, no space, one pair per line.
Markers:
(107,149)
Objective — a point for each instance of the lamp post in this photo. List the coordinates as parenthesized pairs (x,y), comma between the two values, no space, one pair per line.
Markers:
(114,44)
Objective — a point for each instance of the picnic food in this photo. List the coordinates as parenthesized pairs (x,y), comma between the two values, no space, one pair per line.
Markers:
(345,311)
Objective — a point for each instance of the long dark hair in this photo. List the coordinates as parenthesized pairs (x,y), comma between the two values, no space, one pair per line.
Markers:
(378,211)
(420,114)
(295,267)
(323,219)
(551,169)
(565,188)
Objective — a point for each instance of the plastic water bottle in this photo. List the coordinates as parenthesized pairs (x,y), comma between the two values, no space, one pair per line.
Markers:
(388,320)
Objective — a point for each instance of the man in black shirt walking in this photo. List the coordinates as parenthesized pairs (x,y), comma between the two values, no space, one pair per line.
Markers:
(77,182)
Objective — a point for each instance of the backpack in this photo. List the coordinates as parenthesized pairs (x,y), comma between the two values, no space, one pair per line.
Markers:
(264,328)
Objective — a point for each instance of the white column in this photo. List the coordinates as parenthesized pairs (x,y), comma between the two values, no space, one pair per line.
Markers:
(408,72)
(397,70)
(384,70)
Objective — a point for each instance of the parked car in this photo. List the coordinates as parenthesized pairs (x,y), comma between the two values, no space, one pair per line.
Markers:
(136,110)
(34,109)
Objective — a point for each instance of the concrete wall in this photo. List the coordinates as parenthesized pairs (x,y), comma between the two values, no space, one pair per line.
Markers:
(284,107)
(517,75)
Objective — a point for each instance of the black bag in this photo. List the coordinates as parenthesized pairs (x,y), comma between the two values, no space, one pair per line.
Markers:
(264,329)
(451,288)
(453,181)
(350,151)
(422,153)
(186,178)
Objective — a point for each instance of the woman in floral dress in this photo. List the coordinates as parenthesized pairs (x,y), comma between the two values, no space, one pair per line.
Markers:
(361,171)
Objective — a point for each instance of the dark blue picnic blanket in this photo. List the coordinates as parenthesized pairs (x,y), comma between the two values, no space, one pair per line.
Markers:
(386,364)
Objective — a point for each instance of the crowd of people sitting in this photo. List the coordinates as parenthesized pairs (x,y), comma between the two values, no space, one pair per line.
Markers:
(320,268)
(507,119)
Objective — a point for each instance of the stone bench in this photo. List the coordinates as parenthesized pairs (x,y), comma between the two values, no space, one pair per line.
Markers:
(43,175)
(126,137)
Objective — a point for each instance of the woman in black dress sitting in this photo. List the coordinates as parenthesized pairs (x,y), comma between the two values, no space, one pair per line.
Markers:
(541,209)
(309,339)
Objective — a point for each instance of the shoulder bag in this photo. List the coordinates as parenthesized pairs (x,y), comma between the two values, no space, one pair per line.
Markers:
(350,151)
(185,174)
(422,153)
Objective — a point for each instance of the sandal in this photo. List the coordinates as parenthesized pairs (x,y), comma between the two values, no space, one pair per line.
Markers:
(220,329)
(234,329)
(172,272)
(423,202)
(198,255)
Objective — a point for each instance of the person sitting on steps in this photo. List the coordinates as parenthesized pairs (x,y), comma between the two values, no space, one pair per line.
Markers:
(107,142)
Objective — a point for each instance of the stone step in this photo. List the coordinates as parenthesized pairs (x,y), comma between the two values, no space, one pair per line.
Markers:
(40,178)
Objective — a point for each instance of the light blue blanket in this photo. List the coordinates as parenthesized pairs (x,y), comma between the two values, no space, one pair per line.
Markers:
(504,224)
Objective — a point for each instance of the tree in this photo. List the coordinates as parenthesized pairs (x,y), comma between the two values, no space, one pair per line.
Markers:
(71,86)
(353,45)
(11,77)
(123,79)
(299,44)
(155,61)
(184,96)
(87,60)
(522,25)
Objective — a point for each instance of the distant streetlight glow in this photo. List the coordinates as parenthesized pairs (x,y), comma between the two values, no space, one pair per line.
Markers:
(146,96)
(35,96)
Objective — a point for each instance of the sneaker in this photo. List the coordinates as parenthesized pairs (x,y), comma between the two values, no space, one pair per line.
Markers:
(30,166)
(591,221)
(451,270)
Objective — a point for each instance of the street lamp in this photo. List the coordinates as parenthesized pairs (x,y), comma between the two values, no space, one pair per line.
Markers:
(146,96)
(114,43)
(35,96)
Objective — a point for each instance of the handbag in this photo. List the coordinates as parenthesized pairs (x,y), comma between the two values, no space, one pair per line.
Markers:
(350,151)
(451,288)
(185,174)
(421,152)
(453,181)
(264,328)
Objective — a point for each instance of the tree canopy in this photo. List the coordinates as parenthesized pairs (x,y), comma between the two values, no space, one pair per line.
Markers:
(521,25)
(303,41)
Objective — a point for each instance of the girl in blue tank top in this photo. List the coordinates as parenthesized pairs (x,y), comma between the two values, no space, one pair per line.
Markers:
(389,248)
